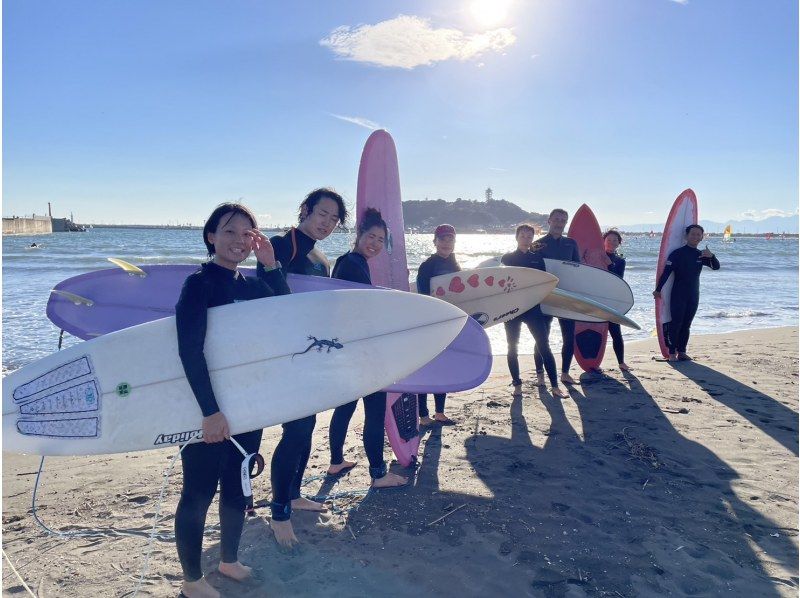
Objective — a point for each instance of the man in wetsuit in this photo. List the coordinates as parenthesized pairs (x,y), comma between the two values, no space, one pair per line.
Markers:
(685,263)
(558,247)
(320,213)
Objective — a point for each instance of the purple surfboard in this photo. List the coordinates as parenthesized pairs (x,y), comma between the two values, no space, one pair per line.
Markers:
(120,300)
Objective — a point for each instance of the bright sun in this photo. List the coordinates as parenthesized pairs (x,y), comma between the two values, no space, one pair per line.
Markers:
(489,12)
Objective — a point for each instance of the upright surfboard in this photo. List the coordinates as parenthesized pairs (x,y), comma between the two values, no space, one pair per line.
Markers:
(494,295)
(127,391)
(683,213)
(379,188)
(590,338)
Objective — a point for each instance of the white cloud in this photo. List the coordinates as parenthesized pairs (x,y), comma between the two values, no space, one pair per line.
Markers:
(409,41)
(684,2)
(498,169)
(361,122)
(263,217)
(764,214)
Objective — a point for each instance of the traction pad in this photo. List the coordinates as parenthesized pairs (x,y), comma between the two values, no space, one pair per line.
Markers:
(404,410)
(61,403)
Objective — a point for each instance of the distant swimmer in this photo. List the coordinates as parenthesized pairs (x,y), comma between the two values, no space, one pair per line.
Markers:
(34,245)
(612,239)
(353,266)
(685,263)
(442,262)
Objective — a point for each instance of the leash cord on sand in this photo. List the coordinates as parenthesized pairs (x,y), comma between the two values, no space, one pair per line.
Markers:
(110,532)
(19,577)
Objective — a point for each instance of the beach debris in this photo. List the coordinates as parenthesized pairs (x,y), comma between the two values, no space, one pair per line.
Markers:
(681,410)
(447,514)
(639,450)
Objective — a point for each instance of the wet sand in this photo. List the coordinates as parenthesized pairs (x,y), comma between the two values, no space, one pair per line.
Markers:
(671,480)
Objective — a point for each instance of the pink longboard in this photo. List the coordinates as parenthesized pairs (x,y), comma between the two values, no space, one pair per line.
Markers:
(590,338)
(682,214)
(379,188)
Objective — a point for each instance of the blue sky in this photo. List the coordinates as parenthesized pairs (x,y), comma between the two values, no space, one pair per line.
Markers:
(153,112)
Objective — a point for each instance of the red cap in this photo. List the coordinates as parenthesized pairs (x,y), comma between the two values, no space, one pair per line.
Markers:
(444,229)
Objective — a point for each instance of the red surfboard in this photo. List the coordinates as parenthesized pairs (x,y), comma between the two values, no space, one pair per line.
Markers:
(590,339)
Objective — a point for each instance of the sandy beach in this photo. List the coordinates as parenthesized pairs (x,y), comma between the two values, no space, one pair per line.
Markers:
(670,480)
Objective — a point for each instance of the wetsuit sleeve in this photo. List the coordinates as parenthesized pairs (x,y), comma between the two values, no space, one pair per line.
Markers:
(506,259)
(424,279)
(712,262)
(191,318)
(283,253)
(576,254)
(274,279)
(668,269)
(621,268)
(346,269)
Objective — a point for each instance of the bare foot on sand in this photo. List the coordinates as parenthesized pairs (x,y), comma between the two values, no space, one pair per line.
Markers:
(567,379)
(623,367)
(540,381)
(425,421)
(198,589)
(235,571)
(517,392)
(306,504)
(672,357)
(684,357)
(443,420)
(340,468)
(284,533)
(390,480)
(557,392)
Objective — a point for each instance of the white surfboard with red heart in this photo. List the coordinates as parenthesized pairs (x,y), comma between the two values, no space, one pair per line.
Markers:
(494,295)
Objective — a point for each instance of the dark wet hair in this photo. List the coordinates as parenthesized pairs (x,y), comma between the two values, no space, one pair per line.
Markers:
(212,224)
(313,198)
(613,231)
(558,211)
(522,227)
(372,217)
(691,226)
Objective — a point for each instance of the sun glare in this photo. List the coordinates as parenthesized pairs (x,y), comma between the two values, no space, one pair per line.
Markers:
(489,12)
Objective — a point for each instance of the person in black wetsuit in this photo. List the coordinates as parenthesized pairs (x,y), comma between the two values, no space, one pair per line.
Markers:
(441,262)
(612,239)
(528,255)
(559,247)
(230,234)
(320,213)
(685,263)
(353,266)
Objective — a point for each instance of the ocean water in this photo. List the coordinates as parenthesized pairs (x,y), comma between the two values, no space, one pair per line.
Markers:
(757,286)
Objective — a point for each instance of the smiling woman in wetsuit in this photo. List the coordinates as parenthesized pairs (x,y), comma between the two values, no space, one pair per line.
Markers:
(230,235)
(686,263)
(320,213)
(353,266)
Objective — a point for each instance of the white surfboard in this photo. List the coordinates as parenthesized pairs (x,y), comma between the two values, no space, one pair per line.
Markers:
(571,306)
(591,283)
(271,360)
(562,303)
(494,295)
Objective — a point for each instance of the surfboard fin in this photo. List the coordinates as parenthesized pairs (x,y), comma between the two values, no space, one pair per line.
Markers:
(76,299)
(128,267)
